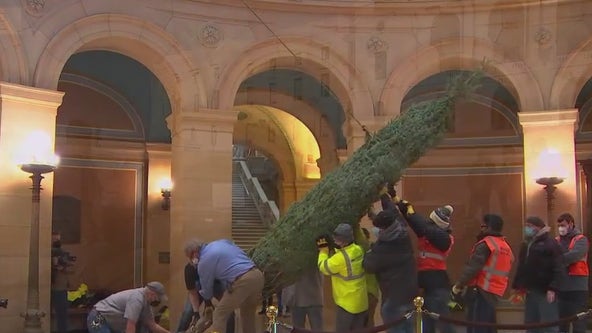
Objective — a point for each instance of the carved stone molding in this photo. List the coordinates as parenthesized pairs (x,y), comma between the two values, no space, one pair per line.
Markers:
(543,36)
(376,44)
(34,7)
(210,35)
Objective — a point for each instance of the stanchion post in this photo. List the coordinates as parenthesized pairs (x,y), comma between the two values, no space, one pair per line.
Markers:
(418,302)
(271,312)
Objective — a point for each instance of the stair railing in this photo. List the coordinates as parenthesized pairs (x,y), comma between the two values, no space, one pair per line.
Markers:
(268,210)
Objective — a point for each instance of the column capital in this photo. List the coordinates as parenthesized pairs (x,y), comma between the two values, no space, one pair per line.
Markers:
(202,120)
(549,118)
(17,93)
(158,151)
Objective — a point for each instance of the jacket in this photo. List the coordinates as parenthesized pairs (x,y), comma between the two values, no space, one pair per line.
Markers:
(347,277)
(571,255)
(540,266)
(431,238)
(392,260)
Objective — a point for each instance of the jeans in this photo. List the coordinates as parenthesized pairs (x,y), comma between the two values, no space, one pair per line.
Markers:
(391,312)
(187,315)
(96,324)
(59,305)
(314,313)
(571,303)
(537,310)
(436,300)
(480,310)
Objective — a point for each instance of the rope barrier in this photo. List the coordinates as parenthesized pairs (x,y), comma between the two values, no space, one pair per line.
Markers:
(273,324)
(460,322)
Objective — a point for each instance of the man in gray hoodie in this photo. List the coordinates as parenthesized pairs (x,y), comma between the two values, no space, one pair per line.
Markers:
(573,292)
(305,299)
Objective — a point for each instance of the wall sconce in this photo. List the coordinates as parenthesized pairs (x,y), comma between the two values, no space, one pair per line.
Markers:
(551,160)
(166,186)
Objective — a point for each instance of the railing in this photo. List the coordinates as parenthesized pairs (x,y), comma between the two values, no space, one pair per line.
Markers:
(268,209)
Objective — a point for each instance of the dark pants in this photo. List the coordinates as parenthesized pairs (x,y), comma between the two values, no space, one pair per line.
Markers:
(538,310)
(571,303)
(480,310)
(96,323)
(345,321)
(436,300)
(187,315)
(391,311)
(314,314)
(59,305)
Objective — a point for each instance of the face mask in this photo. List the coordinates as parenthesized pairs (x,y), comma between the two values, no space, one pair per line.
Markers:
(375,231)
(529,231)
(195,261)
(562,231)
(155,303)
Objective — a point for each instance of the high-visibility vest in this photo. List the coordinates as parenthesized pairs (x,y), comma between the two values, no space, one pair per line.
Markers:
(580,267)
(431,258)
(348,279)
(493,277)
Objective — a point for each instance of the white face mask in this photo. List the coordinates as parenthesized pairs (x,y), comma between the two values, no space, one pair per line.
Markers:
(195,261)
(562,231)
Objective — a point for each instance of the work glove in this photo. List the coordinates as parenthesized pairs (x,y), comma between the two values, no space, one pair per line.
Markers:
(390,189)
(456,294)
(517,296)
(405,207)
(323,244)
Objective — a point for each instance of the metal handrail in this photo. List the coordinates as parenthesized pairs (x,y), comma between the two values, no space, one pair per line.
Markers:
(268,209)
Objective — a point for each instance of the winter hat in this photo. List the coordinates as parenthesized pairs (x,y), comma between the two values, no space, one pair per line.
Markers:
(344,232)
(441,216)
(384,219)
(536,221)
(494,222)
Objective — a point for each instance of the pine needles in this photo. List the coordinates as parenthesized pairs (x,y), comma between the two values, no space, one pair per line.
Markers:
(344,195)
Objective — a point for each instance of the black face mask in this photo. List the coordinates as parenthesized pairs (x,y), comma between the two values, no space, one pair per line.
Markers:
(155,303)
(56,244)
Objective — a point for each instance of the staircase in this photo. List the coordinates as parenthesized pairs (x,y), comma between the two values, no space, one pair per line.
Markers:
(247,227)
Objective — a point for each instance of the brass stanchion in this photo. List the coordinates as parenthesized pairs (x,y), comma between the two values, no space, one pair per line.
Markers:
(418,302)
(271,312)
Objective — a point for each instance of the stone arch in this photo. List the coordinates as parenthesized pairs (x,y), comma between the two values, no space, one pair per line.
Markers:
(133,37)
(13,66)
(463,53)
(314,59)
(573,74)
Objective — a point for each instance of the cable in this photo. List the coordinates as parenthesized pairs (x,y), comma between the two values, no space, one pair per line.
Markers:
(268,28)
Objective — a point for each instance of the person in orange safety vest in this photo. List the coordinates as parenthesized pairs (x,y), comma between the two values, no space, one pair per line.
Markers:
(573,291)
(435,242)
(486,274)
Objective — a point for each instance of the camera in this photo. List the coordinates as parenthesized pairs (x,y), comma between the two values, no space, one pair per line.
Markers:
(3,303)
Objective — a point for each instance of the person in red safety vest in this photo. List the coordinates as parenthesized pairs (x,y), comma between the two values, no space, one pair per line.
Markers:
(486,274)
(573,291)
(435,242)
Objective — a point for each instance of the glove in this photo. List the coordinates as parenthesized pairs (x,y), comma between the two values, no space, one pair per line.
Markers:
(454,306)
(322,243)
(517,297)
(456,294)
(405,207)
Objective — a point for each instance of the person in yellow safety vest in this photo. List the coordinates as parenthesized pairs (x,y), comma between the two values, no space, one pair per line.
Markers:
(347,278)
(485,274)
(573,291)
(434,243)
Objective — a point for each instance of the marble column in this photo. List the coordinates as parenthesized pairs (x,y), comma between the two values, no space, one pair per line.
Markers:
(201,203)
(23,110)
(544,132)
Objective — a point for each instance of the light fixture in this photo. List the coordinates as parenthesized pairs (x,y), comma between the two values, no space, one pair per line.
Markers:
(37,158)
(550,162)
(166,186)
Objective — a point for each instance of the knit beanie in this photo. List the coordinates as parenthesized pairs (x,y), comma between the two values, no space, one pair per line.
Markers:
(384,219)
(441,216)
(536,221)
(344,232)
